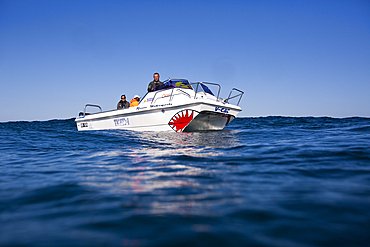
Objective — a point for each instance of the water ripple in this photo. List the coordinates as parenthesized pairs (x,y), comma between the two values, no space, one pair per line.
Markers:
(273,181)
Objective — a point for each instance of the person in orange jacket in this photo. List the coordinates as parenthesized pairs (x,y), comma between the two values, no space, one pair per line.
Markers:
(135,101)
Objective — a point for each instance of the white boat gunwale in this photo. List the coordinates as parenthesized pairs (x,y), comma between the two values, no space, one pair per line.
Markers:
(135,111)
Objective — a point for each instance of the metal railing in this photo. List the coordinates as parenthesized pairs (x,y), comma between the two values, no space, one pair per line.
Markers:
(171,95)
(162,96)
(196,92)
(178,89)
(91,106)
(238,95)
(209,83)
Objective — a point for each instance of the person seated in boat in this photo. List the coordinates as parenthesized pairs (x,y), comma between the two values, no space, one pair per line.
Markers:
(155,84)
(135,101)
(123,103)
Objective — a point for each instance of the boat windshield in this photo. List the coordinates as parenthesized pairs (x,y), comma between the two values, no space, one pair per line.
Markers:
(182,83)
(175,83)
(206,89)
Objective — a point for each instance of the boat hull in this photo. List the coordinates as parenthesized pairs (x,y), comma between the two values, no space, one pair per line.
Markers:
(195,116)
(209,121)
(180,108)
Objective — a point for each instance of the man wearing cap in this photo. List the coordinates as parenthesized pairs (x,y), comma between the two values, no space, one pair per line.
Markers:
(135,101)
(155,84)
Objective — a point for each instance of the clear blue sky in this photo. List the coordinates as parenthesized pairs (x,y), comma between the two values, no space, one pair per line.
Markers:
(291,58)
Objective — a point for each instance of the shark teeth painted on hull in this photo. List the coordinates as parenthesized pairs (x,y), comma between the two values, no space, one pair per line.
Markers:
(182,119)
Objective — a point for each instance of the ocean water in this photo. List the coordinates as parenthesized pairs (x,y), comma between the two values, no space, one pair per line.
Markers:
(271,181)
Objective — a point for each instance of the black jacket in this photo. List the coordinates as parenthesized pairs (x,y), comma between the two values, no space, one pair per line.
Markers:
(123,104)
(154,85)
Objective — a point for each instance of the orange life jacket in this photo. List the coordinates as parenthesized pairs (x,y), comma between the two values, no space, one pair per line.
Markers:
(134,102)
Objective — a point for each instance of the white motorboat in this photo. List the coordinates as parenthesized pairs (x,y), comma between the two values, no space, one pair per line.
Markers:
(177,106)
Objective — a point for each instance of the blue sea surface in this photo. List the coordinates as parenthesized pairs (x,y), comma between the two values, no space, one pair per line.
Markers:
(269,181)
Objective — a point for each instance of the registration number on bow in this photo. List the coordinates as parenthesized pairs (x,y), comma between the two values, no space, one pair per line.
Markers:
(223,110)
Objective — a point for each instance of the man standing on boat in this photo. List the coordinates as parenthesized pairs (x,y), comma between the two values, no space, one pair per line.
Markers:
(123,103)
(155,84)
